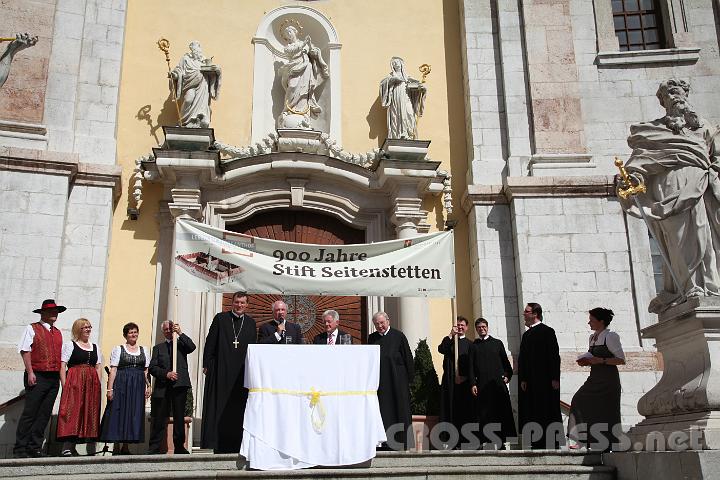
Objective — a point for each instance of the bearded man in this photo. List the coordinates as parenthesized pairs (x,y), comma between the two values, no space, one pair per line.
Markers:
(676,157)
(196,80)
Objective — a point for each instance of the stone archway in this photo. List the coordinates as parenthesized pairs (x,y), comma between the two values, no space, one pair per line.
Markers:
(304,226)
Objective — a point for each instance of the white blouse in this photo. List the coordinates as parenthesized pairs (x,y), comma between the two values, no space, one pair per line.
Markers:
(115,355)
(611,340)
(67,350)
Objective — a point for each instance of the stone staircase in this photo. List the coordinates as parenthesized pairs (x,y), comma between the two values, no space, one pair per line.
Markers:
(512,464)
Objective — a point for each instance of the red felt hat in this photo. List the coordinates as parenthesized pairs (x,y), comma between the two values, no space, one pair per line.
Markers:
(50,304)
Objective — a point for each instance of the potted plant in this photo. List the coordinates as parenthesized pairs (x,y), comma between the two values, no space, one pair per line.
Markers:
(424,395)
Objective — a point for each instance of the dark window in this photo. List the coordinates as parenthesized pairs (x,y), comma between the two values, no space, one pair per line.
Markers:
(636,24)
(657,264)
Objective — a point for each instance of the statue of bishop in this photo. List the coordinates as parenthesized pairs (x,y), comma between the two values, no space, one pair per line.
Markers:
(196,81)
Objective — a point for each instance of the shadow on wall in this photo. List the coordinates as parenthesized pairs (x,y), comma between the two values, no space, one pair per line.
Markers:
(377,121)
(8,426)
(168,116)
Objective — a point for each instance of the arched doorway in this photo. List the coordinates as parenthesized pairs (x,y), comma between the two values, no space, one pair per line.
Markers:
(305,310)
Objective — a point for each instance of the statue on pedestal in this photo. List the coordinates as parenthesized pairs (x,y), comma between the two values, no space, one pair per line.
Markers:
(196,80)
(404,98)
(301,75)
(676,156)
(20,42)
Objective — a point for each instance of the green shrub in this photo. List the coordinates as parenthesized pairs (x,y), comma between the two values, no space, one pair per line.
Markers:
(424,388)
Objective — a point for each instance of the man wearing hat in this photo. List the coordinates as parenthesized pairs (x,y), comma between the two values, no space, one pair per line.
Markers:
(40,348)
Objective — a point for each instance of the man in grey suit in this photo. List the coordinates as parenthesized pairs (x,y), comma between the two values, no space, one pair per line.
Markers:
(171,387)
(331,318)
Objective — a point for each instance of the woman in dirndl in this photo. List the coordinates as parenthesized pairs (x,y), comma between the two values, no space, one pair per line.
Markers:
(596,405)
(80,374)
(128,388)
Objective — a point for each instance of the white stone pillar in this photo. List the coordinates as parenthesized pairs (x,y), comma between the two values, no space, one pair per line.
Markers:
(413,321)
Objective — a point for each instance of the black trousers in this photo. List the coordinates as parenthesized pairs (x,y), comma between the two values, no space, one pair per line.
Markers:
(39,401)
(177,397)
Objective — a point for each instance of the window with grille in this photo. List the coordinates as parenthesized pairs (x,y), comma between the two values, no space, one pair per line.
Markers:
(638,24)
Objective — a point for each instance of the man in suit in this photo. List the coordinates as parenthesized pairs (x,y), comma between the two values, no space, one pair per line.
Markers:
(278,331)
(171,387)
(539,377)
(332,334)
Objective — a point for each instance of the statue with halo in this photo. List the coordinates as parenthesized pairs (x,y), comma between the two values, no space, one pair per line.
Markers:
(302,73)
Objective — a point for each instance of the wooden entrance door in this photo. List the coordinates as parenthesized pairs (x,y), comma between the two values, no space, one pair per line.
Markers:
(305,310)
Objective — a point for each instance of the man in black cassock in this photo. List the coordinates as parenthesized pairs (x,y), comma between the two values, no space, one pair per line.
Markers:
(396,372)
(490,372)
(224,368)
(539,380)
(456,405)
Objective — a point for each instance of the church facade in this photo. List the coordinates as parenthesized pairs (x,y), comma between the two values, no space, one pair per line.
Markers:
(518,110)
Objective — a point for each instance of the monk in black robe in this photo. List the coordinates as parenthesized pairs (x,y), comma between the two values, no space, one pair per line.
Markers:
(490,372)
(396,372)
(224,366)
(539,380)
(456,405)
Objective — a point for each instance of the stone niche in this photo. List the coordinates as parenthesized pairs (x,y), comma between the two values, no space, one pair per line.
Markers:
(268,93)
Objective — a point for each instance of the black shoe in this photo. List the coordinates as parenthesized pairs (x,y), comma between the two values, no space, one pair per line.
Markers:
(35,454)
(181,451)
(21,454)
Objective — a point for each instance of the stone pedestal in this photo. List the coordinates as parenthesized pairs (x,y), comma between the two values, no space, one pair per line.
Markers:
(299,140)
(683,410)
(405,149)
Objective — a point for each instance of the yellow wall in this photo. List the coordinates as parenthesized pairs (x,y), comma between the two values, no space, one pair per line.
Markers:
(371,32)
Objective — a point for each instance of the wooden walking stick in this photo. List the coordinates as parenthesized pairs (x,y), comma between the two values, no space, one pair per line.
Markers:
(164,45)
(456,339)
(175,336)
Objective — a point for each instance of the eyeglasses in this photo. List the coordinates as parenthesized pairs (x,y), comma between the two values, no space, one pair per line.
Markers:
(87,327)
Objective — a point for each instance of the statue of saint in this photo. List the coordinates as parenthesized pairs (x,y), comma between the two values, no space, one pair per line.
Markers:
(676,156)
(21,42)
(404,98)
(301,76)
(196,80)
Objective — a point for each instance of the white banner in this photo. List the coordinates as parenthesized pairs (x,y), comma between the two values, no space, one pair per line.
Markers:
(210,259)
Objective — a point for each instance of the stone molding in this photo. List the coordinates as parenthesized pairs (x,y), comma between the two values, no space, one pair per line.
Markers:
(59,163)
(20,127)
(635,362)
(668,56)
(529,187)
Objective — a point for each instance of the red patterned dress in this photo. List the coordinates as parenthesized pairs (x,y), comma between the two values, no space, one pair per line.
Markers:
(79,413)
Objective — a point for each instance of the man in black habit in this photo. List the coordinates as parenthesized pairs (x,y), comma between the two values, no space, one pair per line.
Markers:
(539,381)
(456,405)
(490,372)
(396,372)
(224,368)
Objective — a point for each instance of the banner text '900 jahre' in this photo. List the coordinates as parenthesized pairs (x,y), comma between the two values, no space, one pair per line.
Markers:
(210,259)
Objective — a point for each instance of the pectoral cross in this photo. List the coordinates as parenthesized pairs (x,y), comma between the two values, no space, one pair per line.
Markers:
(236,343)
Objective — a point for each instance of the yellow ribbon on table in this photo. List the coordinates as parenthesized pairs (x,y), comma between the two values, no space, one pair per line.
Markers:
(317,409)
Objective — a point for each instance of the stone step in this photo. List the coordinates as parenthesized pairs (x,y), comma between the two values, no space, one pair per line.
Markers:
(455,464)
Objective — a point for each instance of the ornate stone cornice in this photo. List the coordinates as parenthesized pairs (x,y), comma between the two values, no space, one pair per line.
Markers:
(64,164)
(529,187)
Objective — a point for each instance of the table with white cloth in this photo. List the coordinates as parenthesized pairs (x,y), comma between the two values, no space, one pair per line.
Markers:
(311,405)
